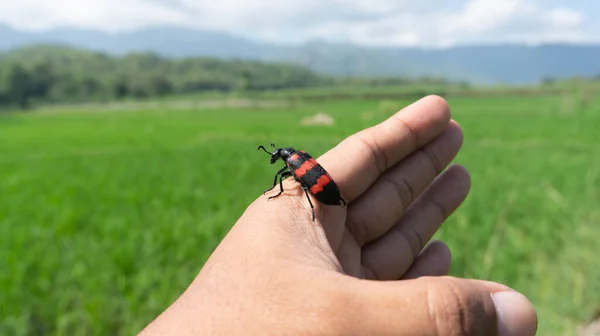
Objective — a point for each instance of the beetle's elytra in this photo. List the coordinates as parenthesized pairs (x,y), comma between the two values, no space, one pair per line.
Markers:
(311,175)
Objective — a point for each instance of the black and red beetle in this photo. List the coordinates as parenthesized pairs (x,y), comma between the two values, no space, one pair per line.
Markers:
(311,175)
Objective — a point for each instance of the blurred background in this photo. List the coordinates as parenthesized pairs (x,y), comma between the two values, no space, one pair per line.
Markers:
(128,134)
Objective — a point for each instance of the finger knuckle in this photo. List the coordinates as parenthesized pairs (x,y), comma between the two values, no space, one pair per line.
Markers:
(404,190)
(359,228)
(411,132)
(413,238)
(440,209)
(432,161)
(379,157)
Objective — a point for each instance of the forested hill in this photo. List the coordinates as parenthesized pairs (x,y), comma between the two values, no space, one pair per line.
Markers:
(502,63)
(51,73)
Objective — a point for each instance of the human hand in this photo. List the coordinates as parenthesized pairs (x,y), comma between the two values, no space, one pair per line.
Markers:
(361,269)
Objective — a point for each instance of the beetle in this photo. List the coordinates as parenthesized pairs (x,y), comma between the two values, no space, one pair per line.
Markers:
(311,175)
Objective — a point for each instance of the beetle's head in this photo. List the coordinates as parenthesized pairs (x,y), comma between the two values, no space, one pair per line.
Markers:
(278,153)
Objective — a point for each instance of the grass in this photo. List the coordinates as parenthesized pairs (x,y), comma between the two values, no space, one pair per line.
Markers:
(105,218)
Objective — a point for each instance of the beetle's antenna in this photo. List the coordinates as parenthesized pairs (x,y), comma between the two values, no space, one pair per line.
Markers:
(263,148)
(272,145)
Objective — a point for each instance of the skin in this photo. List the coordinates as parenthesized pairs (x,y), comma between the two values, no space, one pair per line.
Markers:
(363,269)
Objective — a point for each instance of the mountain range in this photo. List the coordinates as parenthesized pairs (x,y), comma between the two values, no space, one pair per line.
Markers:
(491,64)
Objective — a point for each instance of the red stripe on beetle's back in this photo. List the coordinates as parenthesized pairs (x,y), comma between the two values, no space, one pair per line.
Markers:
(306,166)
(295,157)
(321,183)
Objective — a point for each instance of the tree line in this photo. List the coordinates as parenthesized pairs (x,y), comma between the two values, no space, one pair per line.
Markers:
(56,74)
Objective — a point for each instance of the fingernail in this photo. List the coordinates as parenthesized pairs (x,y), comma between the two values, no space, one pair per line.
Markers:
(516,315)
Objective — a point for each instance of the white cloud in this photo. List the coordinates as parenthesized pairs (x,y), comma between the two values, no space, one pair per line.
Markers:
(107,15)
(373,22)
(509,21)
(565,17)
(479,16)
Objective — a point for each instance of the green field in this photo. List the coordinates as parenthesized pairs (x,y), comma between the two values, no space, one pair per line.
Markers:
(106,217)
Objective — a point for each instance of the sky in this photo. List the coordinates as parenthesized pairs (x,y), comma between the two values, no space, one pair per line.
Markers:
(433,23)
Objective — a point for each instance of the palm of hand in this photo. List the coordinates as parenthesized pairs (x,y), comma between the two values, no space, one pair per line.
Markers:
(387,173)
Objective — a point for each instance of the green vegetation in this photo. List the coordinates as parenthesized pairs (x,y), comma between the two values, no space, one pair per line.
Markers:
(484,63)
(106,217)
(55,74)
(52,74)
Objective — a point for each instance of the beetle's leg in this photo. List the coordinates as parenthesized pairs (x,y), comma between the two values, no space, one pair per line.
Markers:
(275,179)
(309,202)
(281,177)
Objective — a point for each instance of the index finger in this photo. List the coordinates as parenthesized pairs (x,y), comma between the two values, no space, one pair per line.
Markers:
(360,159)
